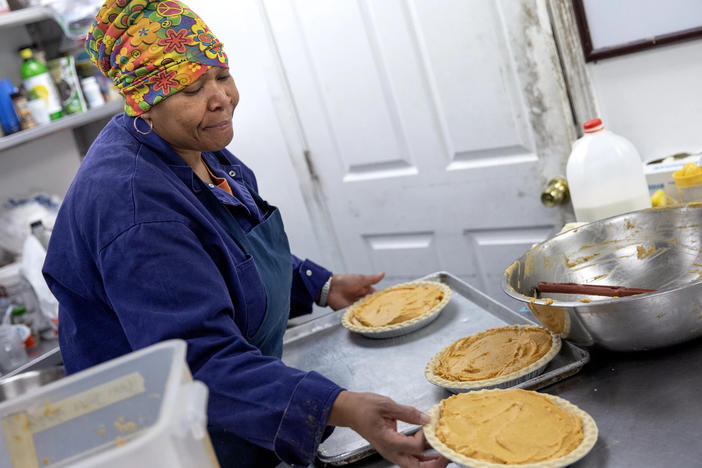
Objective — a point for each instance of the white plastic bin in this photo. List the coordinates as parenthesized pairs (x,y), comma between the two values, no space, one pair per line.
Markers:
(142,409)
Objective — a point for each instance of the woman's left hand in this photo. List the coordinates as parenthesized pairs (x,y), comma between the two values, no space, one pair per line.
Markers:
(374,417)
(347,289)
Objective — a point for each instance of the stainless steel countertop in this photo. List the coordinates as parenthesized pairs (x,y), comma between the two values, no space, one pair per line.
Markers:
(647,405)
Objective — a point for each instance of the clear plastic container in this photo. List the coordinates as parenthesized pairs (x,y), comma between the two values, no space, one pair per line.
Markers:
(605,175)
(142,409)
(12,350)
(688,180)
(92,92)
(15,290)
(19,316)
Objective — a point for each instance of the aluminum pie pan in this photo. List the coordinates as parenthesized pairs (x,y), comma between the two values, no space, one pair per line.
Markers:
(589,427)
(504,381)
(392,331)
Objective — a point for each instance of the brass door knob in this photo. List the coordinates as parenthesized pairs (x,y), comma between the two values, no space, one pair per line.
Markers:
(556,192)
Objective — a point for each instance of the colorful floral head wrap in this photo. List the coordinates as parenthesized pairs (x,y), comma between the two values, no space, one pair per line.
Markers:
(151,49)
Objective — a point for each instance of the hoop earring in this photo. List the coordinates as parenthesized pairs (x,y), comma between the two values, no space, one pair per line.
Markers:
(148,122)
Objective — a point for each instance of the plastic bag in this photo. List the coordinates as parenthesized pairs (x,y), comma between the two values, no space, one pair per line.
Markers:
(19,214)
(74,16)
(33,256)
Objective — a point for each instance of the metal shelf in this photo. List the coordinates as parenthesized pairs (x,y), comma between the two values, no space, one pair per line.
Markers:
(67,122)
(24,16)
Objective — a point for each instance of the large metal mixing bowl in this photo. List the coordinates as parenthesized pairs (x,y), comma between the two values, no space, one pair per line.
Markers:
(20,384)
(657,249)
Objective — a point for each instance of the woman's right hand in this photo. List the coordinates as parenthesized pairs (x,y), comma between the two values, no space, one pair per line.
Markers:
(375,417)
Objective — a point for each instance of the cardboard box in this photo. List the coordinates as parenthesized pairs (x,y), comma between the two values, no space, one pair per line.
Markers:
(659,172)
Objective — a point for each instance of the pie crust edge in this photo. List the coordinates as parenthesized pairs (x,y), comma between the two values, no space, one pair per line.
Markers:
(346,317)
(590,433)
(539,364)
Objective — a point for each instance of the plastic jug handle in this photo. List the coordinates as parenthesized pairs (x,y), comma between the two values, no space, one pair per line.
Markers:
(193,401)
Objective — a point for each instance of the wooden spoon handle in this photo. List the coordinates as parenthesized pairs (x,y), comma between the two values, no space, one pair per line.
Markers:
(590,289)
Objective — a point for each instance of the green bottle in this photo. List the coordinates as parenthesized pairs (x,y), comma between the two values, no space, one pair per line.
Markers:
(38,82)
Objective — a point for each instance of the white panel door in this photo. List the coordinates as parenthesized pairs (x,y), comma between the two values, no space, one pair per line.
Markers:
(431,127)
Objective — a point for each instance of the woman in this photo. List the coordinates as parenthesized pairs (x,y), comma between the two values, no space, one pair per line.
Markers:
(162,235)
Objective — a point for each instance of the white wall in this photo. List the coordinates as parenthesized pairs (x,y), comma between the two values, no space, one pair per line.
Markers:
(653,98)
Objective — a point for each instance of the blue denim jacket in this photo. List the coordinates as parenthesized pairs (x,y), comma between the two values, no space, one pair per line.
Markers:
(135,258)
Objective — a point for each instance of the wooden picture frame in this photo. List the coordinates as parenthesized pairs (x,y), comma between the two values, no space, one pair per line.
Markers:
(593,53)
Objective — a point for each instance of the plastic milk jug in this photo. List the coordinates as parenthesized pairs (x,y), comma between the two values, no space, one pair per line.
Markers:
(605,175)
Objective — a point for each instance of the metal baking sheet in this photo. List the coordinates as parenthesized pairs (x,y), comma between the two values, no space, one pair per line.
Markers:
(395,366)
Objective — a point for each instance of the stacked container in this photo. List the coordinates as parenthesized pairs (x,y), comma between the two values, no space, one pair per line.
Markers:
(142,409)
(689,182)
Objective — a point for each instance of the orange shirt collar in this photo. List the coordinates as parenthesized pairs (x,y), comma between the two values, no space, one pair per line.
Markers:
(219,182)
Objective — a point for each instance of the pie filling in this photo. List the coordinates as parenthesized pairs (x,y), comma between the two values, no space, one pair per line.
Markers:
(396,305)
(493,353)
(508,427)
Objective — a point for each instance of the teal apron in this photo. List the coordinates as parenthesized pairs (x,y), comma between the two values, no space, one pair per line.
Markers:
(268,245)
